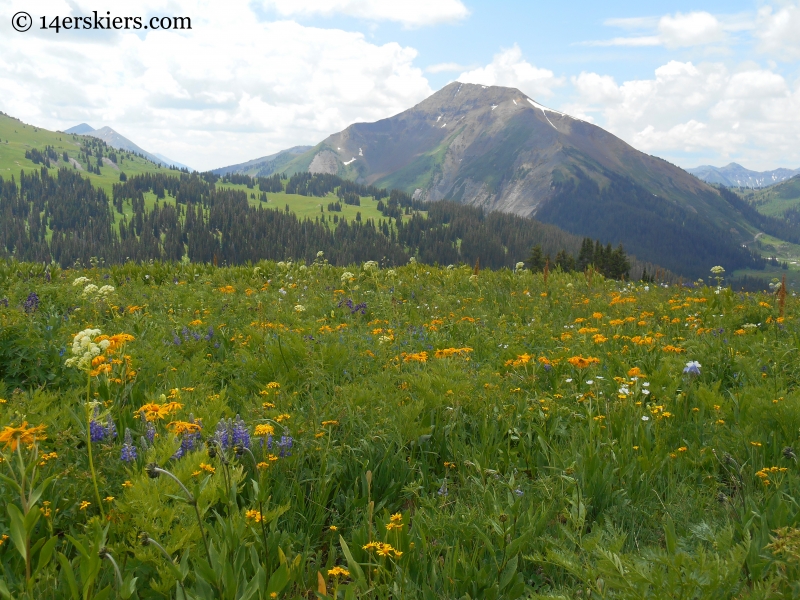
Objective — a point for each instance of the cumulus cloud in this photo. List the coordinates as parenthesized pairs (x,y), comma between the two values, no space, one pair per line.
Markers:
(510,69)
(229,90)
(691,29)
(445,68)
(778,31)
(412,13)
(688,110)
(673,31)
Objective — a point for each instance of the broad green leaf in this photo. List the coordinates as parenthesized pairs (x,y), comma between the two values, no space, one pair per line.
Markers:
(68,574)
(508,572)
(278,580)
(17,528)
(46,553)
(355,568)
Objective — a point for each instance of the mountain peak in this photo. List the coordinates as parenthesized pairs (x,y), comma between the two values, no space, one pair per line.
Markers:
(82,129)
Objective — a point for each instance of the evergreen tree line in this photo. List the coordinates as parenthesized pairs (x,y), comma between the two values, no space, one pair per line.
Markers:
(220,226)
(611,263)
(665,233)
(780,228)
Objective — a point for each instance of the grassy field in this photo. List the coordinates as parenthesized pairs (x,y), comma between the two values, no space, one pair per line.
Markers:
(305,431)
(302,206)
(775,199)
(17,137)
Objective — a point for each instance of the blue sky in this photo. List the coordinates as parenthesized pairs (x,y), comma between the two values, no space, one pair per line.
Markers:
(693,82)
(550,34)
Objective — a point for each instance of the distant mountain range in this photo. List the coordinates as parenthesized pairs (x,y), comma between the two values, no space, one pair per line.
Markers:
(735,175)
(115,140)
(264,166)
(495,147)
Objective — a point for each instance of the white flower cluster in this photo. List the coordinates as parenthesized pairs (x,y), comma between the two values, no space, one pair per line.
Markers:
(473,278)
(84,349)
(299,308)
(717,270)
(370,265)
(520,266)
(347,276)
(95,293)
(80,281)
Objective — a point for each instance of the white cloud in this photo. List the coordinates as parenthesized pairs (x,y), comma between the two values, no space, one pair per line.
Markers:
(413,13)
(692,29)
(229,90)
(779,30)
(687,110)
(445,68)
(673,31)
(510,69)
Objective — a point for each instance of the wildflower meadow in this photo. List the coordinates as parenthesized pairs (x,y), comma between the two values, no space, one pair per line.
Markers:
(288,430)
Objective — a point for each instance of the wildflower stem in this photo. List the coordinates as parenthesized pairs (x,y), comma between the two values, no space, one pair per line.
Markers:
(89,443)
(264,533)
(104,553)
(147,540)
(190,499)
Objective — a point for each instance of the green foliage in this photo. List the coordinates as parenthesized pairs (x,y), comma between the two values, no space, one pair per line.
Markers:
(453,435)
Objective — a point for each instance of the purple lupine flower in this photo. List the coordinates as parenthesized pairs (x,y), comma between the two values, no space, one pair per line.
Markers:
(175,339)
(110,429)
(185,333)
(150,431)
(221,434)
(692,368)
(207,337)
(269,442)
(128,449)
(31,303)
(96,431)
(4,302)
(241,436)
(195,438)
(190,440)
(286,446)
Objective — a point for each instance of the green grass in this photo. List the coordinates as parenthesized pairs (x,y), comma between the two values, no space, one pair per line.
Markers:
(17,137)
(455,417)
(775,199)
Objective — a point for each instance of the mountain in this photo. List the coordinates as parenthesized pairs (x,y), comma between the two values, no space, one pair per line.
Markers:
(264,166)
(29,148)
(779,200)
(735,175)
(82,129)
(494,147)
(171,163)
(115,140)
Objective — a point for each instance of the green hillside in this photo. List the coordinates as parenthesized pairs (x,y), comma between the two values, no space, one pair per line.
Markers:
(776,199)
(17,138)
